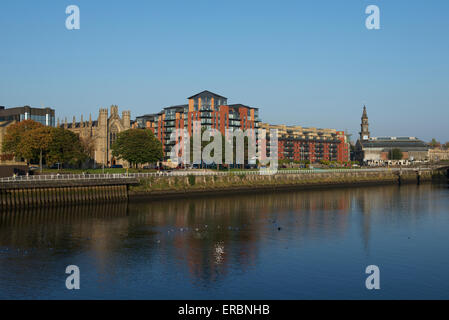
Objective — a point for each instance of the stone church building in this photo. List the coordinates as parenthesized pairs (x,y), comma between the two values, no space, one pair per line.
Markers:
(101,133)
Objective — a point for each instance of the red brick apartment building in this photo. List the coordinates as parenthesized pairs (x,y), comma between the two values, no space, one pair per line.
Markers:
(296,143)
(213,111)
(210,109)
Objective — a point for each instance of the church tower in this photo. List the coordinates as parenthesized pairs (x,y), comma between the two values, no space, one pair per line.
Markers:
(364,134)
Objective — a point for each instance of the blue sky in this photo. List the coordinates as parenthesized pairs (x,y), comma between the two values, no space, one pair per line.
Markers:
(310,63)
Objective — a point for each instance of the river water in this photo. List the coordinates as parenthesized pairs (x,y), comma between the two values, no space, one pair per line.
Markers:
(287,245)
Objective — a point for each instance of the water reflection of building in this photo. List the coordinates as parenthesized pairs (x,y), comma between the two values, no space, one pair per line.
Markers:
(79,220)
(212,235)
(391,205)
(209,238)
(42,236)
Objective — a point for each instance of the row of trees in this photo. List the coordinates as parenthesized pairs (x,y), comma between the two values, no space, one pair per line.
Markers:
(31,140)
(436,144)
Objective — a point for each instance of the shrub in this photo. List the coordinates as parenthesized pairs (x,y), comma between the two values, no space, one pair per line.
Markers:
(191,180)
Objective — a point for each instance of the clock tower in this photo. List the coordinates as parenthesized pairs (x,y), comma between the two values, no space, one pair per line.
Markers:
(364,134)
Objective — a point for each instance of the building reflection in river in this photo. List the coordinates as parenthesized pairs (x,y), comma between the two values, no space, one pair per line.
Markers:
(210,236)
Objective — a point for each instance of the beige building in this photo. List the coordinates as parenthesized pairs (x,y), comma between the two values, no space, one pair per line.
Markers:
(3,126)
(376,150)
(436,155)
(297,143)
(4,158)
(300,132)
(101,133)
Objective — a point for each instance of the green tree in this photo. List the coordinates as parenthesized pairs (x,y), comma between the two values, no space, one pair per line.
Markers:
(395,154)
(65,147)
(284,162)
(16,141)
(434,143)
(137,146)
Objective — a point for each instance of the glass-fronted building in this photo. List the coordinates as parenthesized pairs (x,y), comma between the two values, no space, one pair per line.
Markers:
(46,116)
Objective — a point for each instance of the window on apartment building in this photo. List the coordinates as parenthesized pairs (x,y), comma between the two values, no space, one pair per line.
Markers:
(195,104)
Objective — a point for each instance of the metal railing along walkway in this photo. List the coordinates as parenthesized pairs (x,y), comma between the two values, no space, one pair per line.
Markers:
(184,173)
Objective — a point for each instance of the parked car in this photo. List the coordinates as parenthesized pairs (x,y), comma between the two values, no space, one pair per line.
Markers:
(117,166)
(56,166)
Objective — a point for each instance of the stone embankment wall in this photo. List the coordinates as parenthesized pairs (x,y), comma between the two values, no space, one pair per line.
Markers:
(44,193)
(16,198)
(178,186)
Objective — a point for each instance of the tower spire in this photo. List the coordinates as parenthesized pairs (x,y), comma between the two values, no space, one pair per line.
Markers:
(364,133)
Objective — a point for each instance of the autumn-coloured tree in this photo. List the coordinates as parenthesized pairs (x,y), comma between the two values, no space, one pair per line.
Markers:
(88,145)
(32,140)
(39,140)
(14,141)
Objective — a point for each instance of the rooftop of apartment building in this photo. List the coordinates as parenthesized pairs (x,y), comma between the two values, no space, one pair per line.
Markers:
(299,130)
(206,93)
(178,107)
(286,132)
(205,96)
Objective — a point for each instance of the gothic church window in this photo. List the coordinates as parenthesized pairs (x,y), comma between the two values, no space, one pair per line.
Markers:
(113,135)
